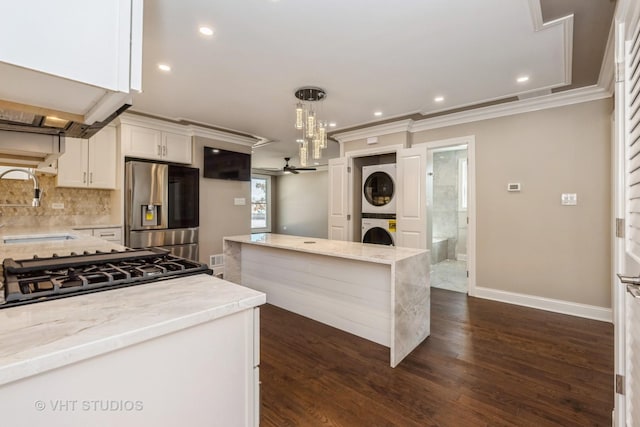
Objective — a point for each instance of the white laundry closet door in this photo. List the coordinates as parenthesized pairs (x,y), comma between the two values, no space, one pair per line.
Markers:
(411,231)
(338,199)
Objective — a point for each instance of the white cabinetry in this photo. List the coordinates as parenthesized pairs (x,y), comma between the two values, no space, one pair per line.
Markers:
(110,234)
(154,144)
(68,55)
(89,163)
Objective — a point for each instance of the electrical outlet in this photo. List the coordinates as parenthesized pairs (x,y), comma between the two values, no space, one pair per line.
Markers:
(569,199)
(57,205)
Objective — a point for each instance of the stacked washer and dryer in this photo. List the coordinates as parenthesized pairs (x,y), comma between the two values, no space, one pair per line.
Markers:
(379,204)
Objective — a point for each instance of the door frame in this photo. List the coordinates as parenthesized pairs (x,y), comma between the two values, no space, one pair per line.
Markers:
(350,156)
(470,142)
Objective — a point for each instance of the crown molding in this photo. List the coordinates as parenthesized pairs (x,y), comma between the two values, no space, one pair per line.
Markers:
(560,99)
(566,22)
(554,100)
(131,118)
(168,125)
(221,136)
(606,78)
(379,130)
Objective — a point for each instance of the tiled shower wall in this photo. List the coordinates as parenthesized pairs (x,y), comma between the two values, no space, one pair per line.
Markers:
(448,221)
(81,206)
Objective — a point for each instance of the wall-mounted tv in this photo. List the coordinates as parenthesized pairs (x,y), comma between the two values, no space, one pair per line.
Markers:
(223,164)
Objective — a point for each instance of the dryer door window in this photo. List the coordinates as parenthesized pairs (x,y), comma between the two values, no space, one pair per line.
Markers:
(378,189)
(377,235)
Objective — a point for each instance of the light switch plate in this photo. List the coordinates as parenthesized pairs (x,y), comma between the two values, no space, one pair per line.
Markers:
(239,201)
(569,199)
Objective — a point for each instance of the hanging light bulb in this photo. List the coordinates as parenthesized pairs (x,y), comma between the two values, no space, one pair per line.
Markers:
(304,153)
(317,146)
(299,115)
(311,124)
(322,134)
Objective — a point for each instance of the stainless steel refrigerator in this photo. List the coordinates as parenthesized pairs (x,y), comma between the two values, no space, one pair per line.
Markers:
(162,207)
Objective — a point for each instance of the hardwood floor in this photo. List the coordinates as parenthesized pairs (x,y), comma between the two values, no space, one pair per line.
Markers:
(485,364)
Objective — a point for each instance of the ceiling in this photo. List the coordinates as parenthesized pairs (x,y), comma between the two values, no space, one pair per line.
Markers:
(373,55)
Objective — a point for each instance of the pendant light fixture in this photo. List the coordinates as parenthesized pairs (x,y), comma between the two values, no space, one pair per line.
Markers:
(314,130)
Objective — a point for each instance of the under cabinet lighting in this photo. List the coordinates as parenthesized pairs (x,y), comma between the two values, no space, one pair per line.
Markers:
(332,124)
(164,67)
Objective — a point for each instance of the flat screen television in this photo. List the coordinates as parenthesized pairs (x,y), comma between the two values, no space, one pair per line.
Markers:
(224,164)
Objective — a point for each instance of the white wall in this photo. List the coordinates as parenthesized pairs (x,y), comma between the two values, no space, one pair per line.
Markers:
(302,204)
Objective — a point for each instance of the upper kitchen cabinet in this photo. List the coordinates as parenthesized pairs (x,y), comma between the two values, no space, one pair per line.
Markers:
(155,144)
(89,163)
(75,57)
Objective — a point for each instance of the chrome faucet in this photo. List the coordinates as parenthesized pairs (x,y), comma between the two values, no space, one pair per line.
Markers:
(36,186)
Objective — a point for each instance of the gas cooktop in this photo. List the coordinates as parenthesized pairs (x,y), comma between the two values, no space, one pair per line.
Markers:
(40,279)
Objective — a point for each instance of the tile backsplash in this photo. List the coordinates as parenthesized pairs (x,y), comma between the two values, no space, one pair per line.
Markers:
(81,206)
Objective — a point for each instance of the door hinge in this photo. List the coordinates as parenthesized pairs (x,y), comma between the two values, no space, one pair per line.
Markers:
(620,384)
(619,71)
(467,220)
(348,169)
(348,217)
(467,274)
(620,227)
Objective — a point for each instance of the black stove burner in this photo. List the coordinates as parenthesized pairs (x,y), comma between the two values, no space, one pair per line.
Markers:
(40,279)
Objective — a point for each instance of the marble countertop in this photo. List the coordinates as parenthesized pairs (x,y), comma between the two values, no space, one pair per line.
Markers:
(43,336)
(337,248)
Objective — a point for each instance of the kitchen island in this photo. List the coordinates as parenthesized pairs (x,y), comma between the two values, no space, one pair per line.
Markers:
(159,353)
(377,292)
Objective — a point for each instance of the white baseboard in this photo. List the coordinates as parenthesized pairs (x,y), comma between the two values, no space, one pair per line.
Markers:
(461,257)
(558,306)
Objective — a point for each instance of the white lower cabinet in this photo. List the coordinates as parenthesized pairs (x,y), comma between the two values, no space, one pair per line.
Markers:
(200,375)
(110,234)
(89,163)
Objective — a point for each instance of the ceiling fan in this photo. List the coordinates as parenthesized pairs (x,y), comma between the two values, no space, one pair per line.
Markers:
(294,169)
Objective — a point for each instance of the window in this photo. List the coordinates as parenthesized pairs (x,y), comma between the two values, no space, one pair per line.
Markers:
(260,203)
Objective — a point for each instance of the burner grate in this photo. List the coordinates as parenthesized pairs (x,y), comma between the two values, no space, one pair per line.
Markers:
(40,279)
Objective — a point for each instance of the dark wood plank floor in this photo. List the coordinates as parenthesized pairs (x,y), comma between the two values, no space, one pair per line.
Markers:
(485,364)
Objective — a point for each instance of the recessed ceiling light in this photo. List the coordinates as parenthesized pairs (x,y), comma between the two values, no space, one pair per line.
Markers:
(316,163)
(299,141)
(522,79)
(164,67)
(377,113)
(332,124)
(206,31)
(439,98)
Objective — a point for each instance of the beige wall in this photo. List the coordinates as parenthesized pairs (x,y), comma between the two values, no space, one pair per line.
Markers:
(527,242)
(302,204)
(219,216)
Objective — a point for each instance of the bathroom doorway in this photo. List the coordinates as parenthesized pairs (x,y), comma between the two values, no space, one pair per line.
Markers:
(451,213)
(449,205)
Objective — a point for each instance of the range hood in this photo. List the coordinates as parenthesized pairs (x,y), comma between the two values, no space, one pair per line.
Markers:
(29,150)
(25,118)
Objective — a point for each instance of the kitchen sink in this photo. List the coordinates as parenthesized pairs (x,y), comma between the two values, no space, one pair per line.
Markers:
(37,238)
